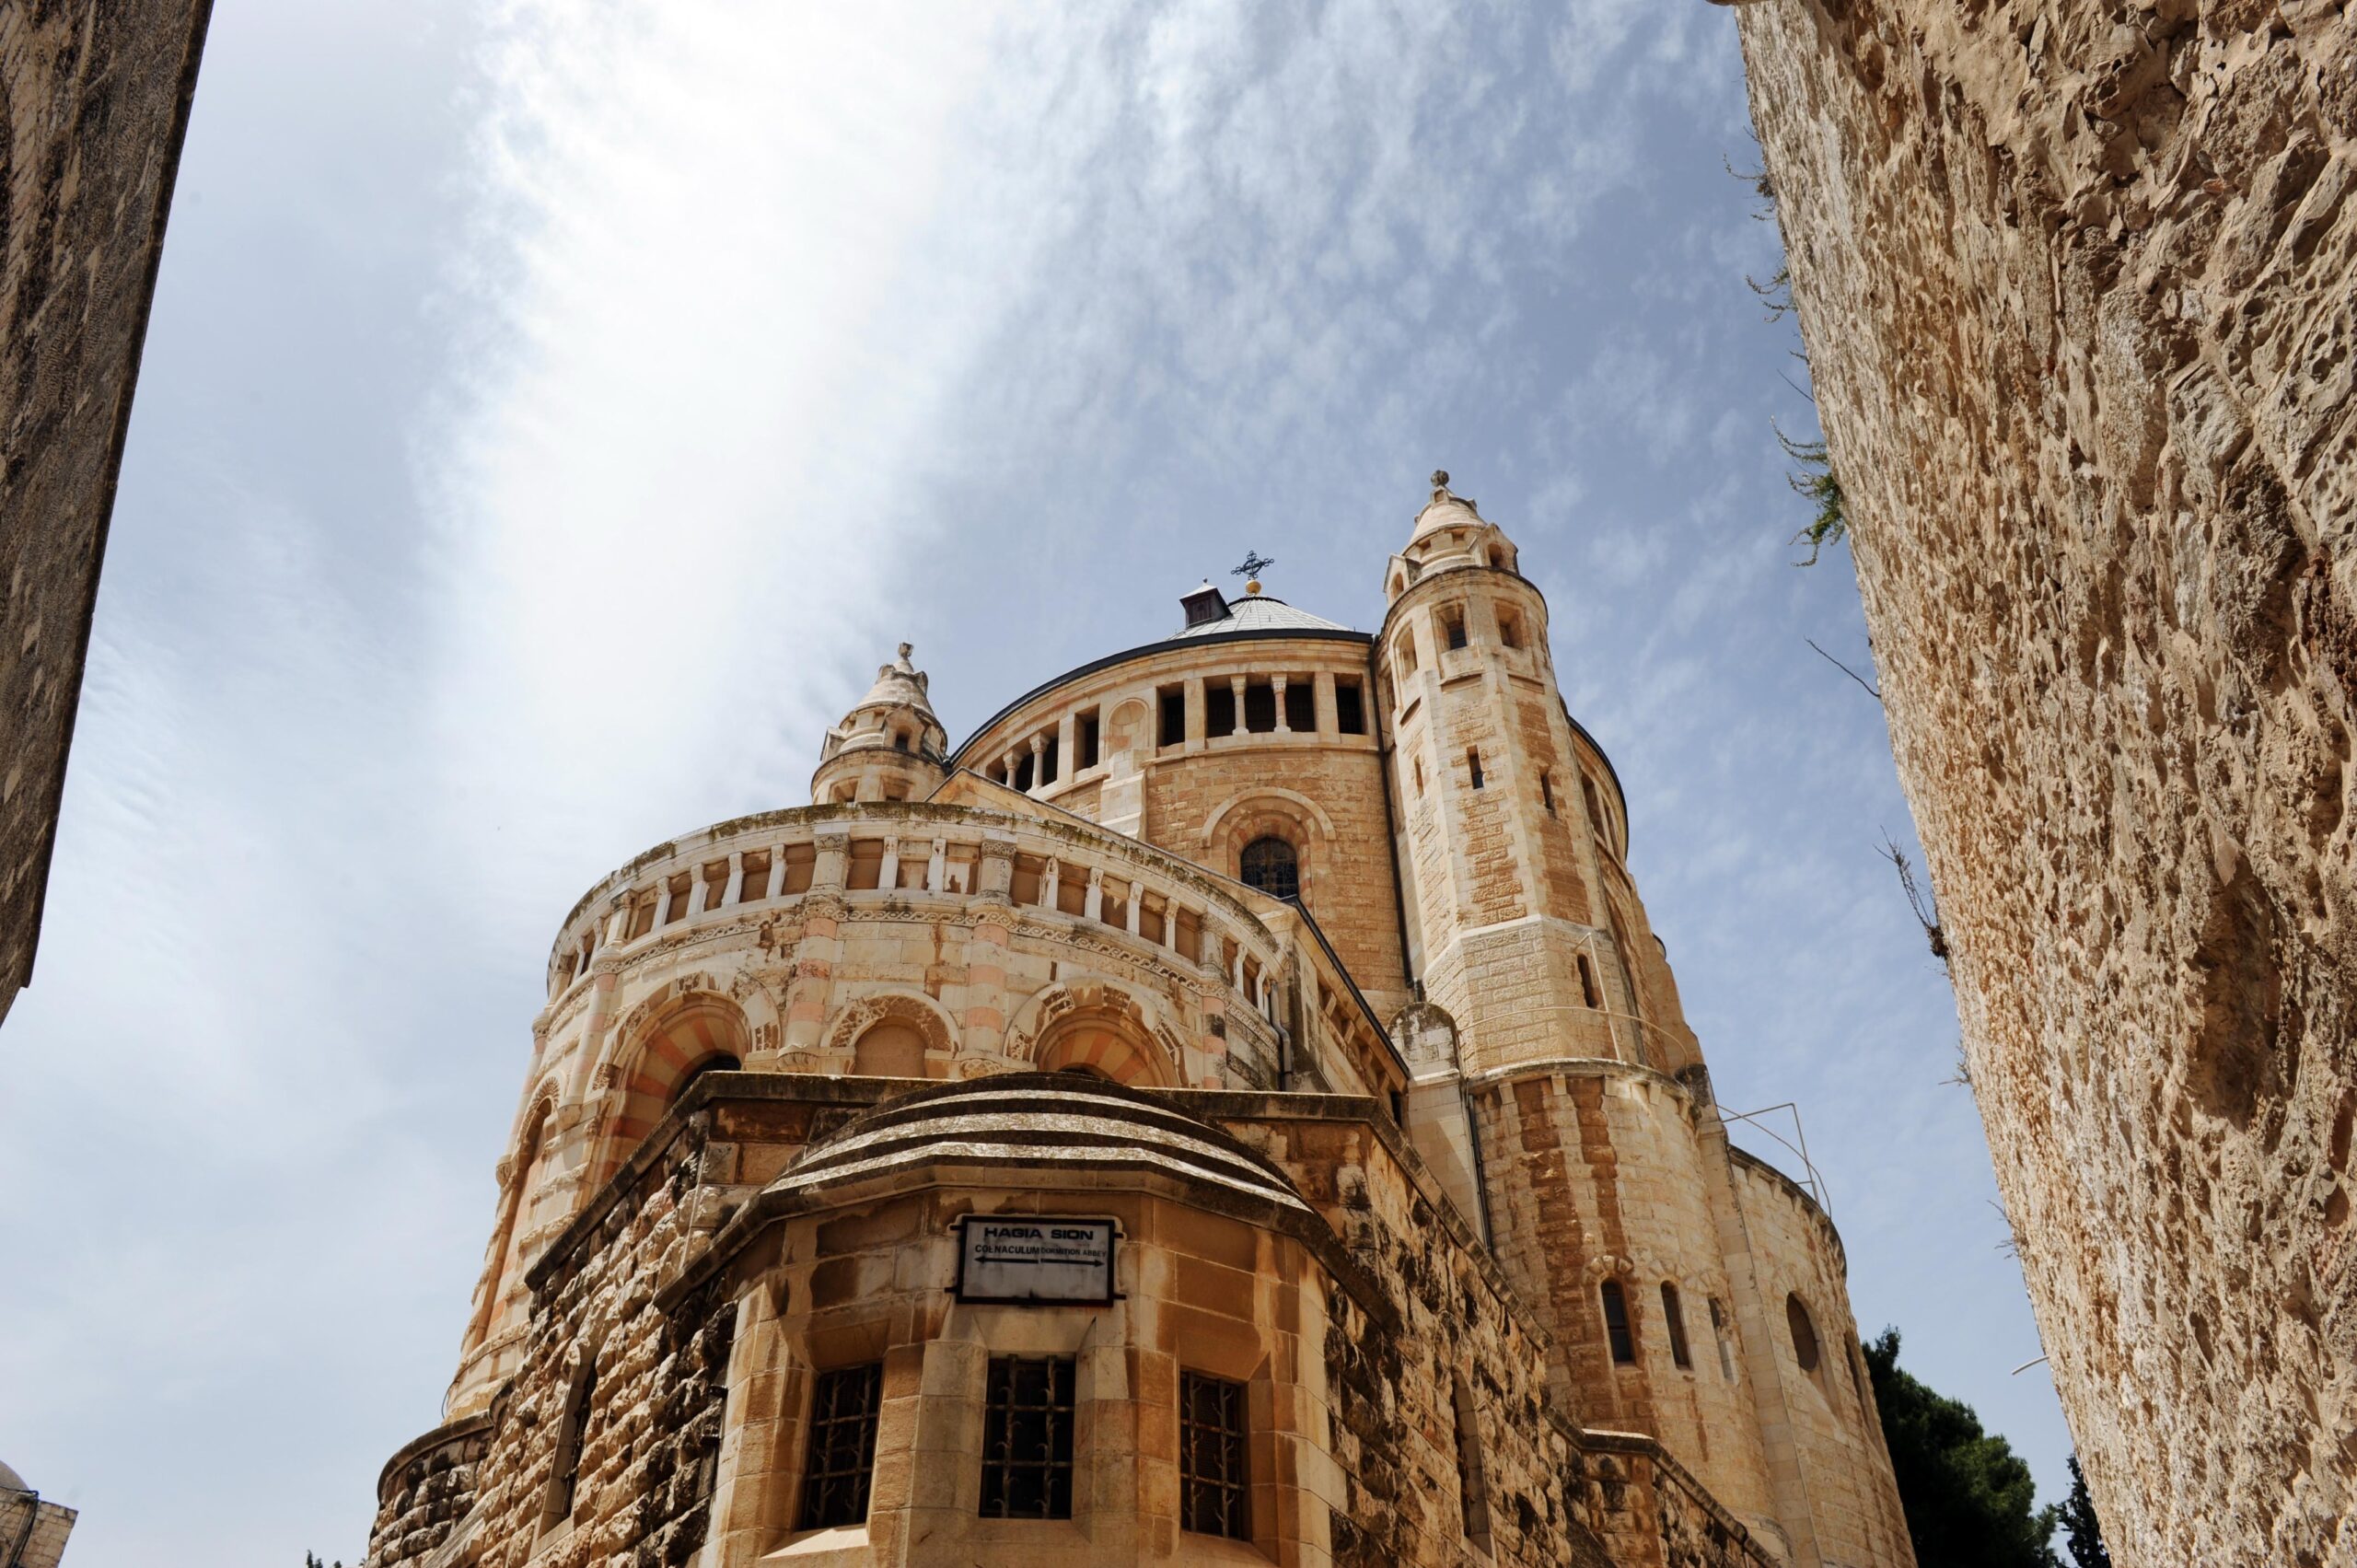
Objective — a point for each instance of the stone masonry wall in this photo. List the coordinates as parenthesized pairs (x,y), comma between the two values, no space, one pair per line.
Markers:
(1423,1311)
(2078,290)
(94,98)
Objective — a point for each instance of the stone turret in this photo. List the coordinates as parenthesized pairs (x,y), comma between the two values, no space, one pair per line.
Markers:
(890,746)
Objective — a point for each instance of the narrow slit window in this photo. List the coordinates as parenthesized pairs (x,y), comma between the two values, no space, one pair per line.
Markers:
(1589,992)
(1174,717)
(1509,628)
(1804,1330)
(1088,738)
(843,1407)
(1350,708)
(1051,762)
(1026,1438)
(1617,1327)
(1674,1320)
(1594,809)
(1546,791)
(1419,778)
(1213,1480)
(1022,779)
(1473,765)
(1453,628)
(1473,1485)
(566,1490)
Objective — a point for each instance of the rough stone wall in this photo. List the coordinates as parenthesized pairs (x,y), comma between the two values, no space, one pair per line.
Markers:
(94,99)
(651,1426)
(2077,288)
(425,1491)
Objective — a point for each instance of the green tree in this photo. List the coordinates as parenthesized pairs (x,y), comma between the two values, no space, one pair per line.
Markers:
(1970,1501)
(2082,1533)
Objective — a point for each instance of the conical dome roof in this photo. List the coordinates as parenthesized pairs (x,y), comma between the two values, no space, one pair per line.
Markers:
(1445,510)
(898,685)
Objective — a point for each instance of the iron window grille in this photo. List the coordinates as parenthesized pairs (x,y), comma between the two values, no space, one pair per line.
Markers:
(1215,1482)
(1272,866)
(1026,1438)
(843,1406)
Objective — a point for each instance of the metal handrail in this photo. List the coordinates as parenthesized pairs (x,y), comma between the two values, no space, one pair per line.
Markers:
(1813,1181)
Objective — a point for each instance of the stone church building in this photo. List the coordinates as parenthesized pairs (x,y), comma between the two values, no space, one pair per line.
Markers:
(1232,1110)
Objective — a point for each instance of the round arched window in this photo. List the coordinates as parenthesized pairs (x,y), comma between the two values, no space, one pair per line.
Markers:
(1796,1317)
(1271,866)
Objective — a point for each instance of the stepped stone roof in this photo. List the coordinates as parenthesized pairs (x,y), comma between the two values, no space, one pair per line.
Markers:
(1028,1121)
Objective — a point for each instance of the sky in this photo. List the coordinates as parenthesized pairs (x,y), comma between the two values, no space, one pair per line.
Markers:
(553,413)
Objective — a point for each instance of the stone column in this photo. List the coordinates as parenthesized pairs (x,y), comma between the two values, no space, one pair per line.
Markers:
(777,870)
(1067,758)
(983,1029)
(1277,695)
(735,893)
(1039,761)
(1236,684)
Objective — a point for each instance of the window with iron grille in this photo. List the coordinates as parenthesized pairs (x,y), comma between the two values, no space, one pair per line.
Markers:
(1026,1438)
(843,1446)
(1270,865)
(1213,1480)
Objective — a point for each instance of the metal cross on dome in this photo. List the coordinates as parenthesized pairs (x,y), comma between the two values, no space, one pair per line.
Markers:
(1254,564)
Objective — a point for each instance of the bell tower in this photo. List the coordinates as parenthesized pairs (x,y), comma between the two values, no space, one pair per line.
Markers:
(1502,825)
(890,746)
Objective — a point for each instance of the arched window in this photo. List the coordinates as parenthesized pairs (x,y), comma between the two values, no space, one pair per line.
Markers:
(1270,865)
(719,1062)
(1675,1322)
(1804,1327)
(1617,1327)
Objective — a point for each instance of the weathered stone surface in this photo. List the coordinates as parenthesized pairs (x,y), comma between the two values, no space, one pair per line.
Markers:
(93,100)
(2078,293)
(933,979)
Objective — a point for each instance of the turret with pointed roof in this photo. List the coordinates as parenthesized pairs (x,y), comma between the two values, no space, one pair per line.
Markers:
(890,746)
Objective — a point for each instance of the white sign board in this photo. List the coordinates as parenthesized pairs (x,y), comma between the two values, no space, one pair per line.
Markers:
(1034,1257)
